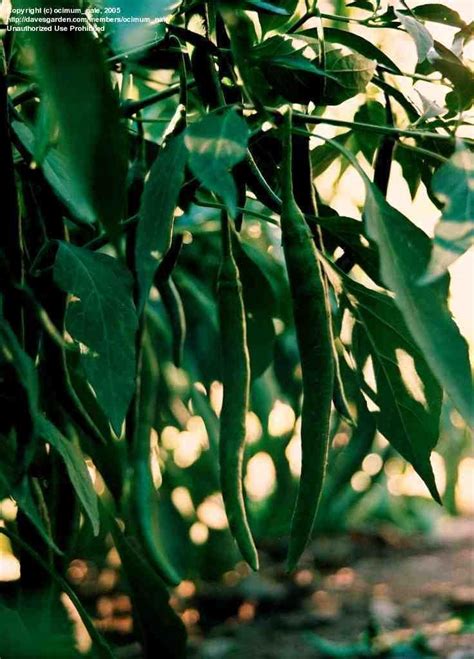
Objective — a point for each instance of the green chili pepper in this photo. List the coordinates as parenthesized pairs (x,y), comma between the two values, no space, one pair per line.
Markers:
(313,332)
(236,382)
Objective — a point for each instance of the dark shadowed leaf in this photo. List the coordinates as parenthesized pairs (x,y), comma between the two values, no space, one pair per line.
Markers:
(54,169)
(406,393)
(158,204)
(404,253)
(76,469)
(362,4)
(438,13)
(15,639)
(281,52)
(324,155)
(453,184)
(91,139)
(102,317)
(215,144)
(372,112)
(22,493)
(269,23)
(353,73)
(349,234)
(412,165)
(360,45)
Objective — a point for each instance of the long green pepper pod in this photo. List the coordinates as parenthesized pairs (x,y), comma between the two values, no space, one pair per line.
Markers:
(236,384)
(313,332)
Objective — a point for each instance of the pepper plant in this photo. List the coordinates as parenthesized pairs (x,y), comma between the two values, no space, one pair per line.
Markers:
(162,231)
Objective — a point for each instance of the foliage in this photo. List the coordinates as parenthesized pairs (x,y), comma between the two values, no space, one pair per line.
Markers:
(121,215)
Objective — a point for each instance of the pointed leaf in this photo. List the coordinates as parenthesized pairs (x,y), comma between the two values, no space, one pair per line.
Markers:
(101,316)
(72,74)
(353,73)
(215,144)
(407,395)
(269,23)
(23,495)
(453,184)
(418,32)
(437,13)
(286,52)
(158,204)
(55,172)
(360,45)
(76,469)
(404,252)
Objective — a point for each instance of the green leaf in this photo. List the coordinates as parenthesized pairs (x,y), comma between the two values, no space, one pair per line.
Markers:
(324,155)
(453,184)
(215,144)
(412,165)
(407,395)
(269,23)
(104,320)
(452,68)
(360,45)
(372,112)
(288,72)
(15,639)
(353,73)
(125,35)
(361,4)
(418,32)
(162,631)
(76,469)
(438,14)
(22,493)
(266,7)
(158,204)
(404,252)
(349,234)
(55,171)
(281,52)
(53,635)
(73,76)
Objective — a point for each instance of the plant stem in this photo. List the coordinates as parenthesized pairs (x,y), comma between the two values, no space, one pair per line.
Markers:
(129,108)
(358,125)
(247,211)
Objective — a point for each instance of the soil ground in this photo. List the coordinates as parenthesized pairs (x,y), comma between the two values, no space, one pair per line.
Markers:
(392,587)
